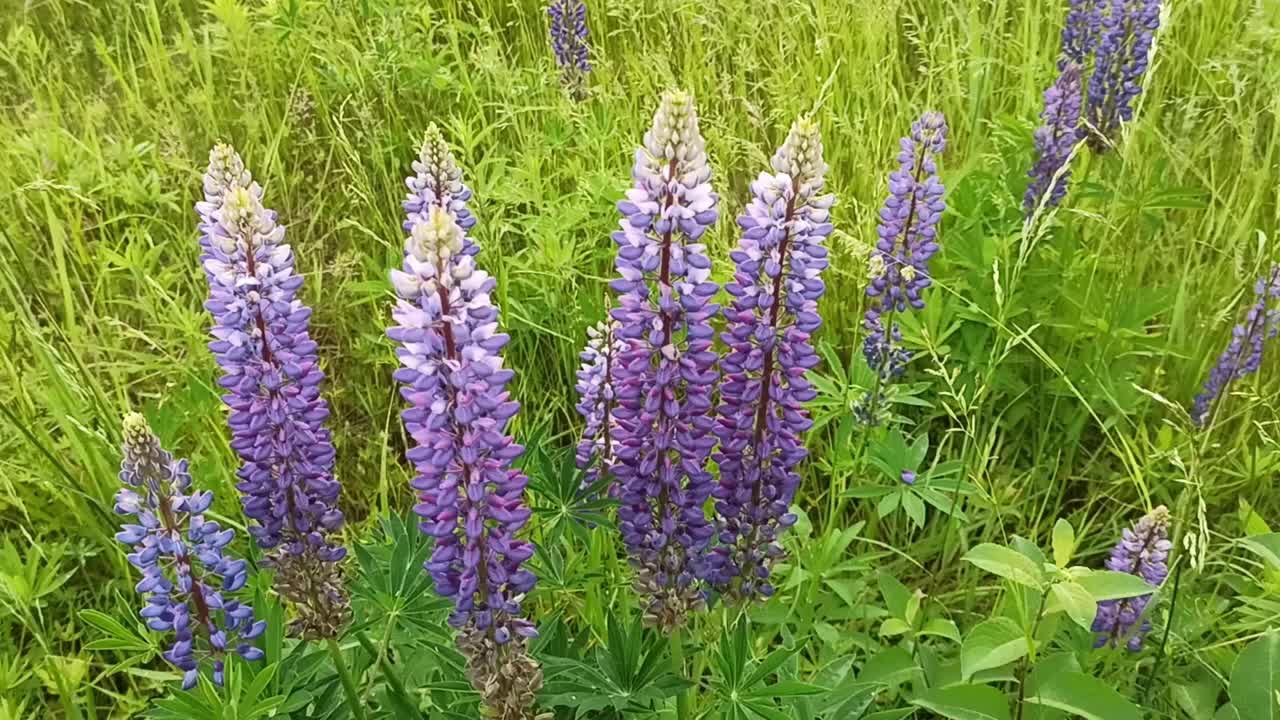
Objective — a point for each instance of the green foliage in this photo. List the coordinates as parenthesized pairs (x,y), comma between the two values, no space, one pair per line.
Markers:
(1044,406)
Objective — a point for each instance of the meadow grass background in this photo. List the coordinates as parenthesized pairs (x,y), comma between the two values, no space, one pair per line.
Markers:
(1052,364)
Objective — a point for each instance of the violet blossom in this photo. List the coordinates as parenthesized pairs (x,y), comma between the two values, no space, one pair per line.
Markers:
(1243,355)
(271,380)
(666,377)
(776,286)
(1055,140)
(1142,551)
(187,576)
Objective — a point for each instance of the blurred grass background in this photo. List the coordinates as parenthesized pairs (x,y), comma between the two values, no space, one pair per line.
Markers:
(1056,377)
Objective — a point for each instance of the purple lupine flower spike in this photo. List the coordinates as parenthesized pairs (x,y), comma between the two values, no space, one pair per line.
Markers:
(1124,39)
(1142,551)
(666,376)
(1080,32)
(1243,355)
(568,29)
(776,286)
(597,400)
(187,577)
(471,499)
(1055,141)
(271,377)
(900,262)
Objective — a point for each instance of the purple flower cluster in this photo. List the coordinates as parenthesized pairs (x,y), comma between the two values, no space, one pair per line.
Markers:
(908,239)
(1123,34)
(597,398)
(1243,355)
(470,498)
(185,571)
(1055,140)
(1080,32)
(666,376)
(271,377)
(776,286)
(568,28)
(1142,551)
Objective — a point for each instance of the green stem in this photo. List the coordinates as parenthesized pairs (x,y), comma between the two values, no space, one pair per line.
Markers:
(348,683)
(388,670)
(677,666)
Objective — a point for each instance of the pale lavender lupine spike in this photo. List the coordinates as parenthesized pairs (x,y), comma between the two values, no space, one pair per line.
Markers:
(470,497)
(271,379)
(597,399)
(187,576)
(666,377)
(776,286)
(1142,551)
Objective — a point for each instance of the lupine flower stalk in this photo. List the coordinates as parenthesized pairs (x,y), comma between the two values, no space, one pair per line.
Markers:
(1124,35)
(187,576)
(1142,551)
(1055,140)
(776,286)
(471,499)
(271,377)
(568,29)
(597,400)
(666,376)
(1243,355)
(899,264)
(1080,32)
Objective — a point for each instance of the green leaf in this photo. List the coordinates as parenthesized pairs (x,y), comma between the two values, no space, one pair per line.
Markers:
(965,702)
(1084,696)
(1255,679)
(894,626)
(895,594)
(941,628)
(1266,546)
(891,666)
(1075,600)
(1227,712)
(991,644)
(1007,563)
(1064,543)
(1111,585)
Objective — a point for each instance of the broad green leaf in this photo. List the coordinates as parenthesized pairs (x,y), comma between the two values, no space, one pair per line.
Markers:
(991,644)
(1227,712)
(1084,696)
(965,702)
(1266,546)
(941,628)
(894,626)
(1007,563)
(891,666)
(1111,585)
(895,594)
(1064,543)
(1255,679)
(1075,601)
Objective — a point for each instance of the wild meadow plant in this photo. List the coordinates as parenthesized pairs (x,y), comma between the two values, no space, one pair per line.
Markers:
(1106,48)
(1143,550)
(666,376)
(763,391)
(1243,356)
(704,422)
(899,265)
(188,578)
(271,376)
(470,497)
(569,32)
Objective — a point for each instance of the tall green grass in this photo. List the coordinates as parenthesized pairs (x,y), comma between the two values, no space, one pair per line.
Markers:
(1052,365)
